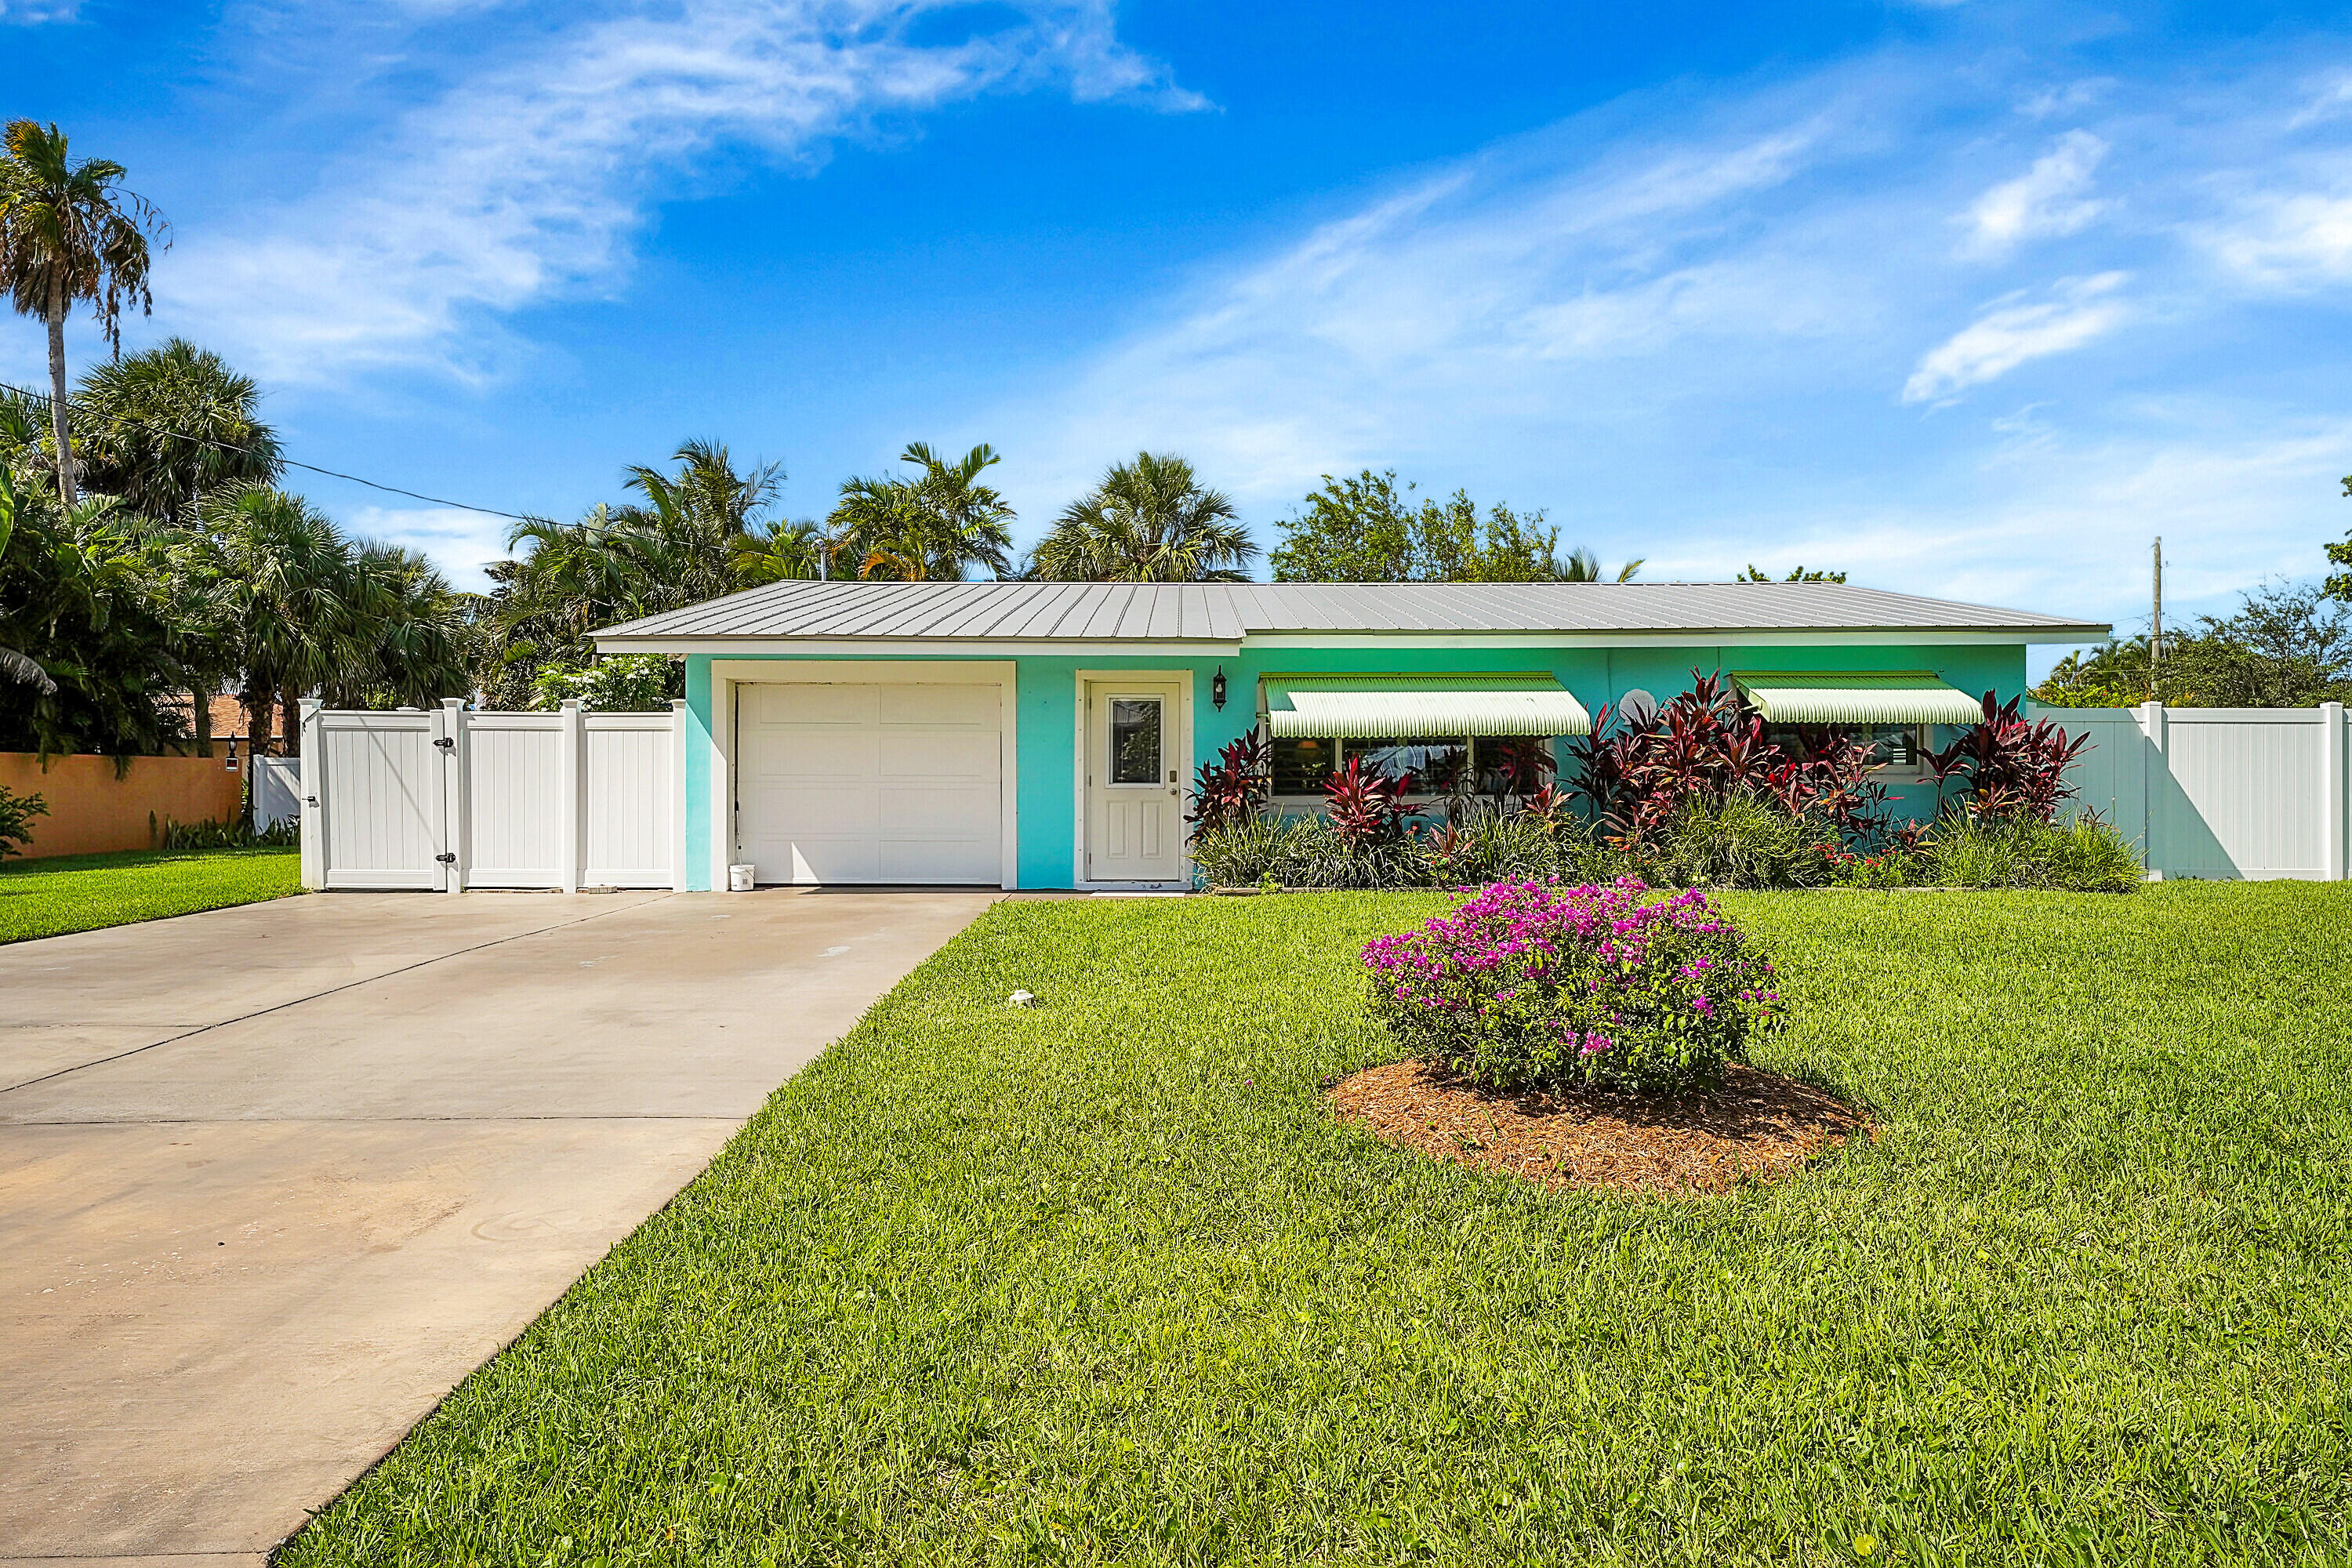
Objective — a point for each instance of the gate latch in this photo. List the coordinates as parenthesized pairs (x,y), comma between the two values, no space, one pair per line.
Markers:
(446,743)
(446,858)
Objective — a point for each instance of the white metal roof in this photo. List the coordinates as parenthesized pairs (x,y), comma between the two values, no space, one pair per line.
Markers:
(1226,613)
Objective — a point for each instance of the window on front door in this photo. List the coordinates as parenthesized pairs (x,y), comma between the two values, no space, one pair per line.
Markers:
(1135,741)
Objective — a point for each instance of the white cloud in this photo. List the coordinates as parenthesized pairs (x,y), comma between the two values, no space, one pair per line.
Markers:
(2047,199)
(2007,335)
(29,12)
(2286,242)
(526,178)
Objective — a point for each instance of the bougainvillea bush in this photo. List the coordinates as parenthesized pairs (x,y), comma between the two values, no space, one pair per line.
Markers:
(1530,985)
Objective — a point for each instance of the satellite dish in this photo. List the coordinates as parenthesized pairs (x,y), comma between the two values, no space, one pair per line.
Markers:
(1637,708)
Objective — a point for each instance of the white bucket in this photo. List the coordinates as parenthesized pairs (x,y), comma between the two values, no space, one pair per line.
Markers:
(739,878)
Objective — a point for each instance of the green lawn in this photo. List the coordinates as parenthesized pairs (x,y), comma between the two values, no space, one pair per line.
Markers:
(1104,1282)
(83,892)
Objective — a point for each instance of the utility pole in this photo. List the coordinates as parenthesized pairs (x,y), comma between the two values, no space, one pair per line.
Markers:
(2156,628)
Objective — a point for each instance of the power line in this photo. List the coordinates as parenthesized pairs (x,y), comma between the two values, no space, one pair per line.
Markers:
(43,398)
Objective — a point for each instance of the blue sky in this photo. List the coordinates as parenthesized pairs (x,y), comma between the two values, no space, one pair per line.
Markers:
(1967,300)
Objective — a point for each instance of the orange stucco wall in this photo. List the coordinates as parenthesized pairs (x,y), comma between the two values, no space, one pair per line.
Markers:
(92,812)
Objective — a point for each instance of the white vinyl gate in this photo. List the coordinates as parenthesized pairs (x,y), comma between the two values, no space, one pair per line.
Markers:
(443,799)
(2254,793)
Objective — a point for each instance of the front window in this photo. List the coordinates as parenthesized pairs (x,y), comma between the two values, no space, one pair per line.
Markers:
(1440,764)
(1898,748)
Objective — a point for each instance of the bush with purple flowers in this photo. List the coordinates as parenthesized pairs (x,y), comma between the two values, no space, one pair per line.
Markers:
(1533,985)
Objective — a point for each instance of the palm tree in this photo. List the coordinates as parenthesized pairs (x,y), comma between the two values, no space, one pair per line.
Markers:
(1583,566)
(68,236)
(161,427)
(415,650)
(780,550)
(702,516)
(300,600)
(940,525)
(1148,521)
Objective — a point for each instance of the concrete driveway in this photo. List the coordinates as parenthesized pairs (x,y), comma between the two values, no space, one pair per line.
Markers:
(274,1179)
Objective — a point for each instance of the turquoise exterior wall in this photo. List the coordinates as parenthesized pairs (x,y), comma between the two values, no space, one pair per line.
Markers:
(1046,706)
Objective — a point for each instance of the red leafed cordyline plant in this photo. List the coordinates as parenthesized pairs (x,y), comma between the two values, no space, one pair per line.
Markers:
(1706,744)
(1365,808)
(2009,766)
(1234,788)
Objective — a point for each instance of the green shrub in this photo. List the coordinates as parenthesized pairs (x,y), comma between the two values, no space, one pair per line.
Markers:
(617,683)
(1744,840)
(1240,854)
(236,834)
(2086,855)
(17,814)
(1528,985)
(1488,844)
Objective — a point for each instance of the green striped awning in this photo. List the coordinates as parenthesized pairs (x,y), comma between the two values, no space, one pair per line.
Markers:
(1877,697)
(1379,706)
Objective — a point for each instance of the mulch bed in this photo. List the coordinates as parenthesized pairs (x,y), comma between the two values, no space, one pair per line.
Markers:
(1756,1126)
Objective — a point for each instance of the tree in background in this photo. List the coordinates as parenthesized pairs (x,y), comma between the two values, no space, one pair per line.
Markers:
(68,236)
(1796,574)
(161,427)
(2339,583)
(1368,529)
(1149,520)
(2284,648)
(78,613)
(940,525)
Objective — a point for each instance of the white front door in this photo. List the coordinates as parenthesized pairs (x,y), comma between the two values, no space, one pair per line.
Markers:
(1135,782)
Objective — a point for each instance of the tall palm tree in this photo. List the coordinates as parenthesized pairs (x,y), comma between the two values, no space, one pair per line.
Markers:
(1149,520)
(69,235)
(701,516)
(161,427)
(941,524)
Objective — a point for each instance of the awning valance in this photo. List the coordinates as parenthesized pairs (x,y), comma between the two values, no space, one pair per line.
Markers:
(1876,697)
(1384,707)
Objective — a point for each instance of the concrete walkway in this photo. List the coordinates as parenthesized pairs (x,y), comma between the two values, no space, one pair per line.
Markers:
(274,1179)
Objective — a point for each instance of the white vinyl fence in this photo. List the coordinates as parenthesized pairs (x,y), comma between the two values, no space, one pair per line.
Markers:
(277,784)
(443,799)
(2251,793)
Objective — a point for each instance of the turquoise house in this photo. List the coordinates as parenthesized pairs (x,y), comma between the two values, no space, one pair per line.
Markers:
(1044,734)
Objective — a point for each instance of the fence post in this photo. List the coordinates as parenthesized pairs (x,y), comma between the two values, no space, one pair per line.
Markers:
(2332,791)
(678,793)
(575,746)
(309,813)
(2154,796)
(457,838)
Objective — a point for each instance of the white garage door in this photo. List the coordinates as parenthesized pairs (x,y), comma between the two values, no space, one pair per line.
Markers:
(869,783)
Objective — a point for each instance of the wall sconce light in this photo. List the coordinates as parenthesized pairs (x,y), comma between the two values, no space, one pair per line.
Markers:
(1217,690)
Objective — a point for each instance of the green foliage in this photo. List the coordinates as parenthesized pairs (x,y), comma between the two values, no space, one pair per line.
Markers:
(239,834)
(2339,583)
(83,892)
(1368,529)
(940,525)
(1742,840)
(616,683)
(17,814)
(1149,520)
(1535,986)
(162,428)
(80,610)
(69,235)
(2283,648)
(1104,1280)
(2084,855)
(1796,574)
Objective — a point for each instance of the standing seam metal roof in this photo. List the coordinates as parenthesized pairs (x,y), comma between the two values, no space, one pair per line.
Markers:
(1228,612)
